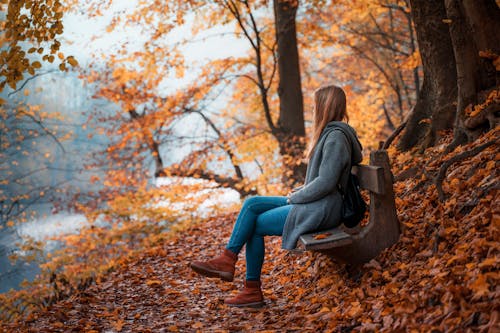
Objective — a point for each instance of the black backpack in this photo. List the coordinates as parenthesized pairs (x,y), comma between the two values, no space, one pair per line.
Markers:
(353,207)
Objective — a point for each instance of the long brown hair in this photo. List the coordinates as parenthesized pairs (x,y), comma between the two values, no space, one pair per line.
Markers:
(329,105)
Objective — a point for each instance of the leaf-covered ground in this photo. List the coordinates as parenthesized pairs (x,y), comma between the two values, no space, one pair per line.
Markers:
(441,276)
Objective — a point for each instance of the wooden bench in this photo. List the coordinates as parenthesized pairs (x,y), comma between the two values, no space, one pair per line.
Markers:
(383,229)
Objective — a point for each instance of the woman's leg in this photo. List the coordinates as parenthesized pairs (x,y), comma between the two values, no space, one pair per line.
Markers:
(223,266)
(246,222)
(270,223)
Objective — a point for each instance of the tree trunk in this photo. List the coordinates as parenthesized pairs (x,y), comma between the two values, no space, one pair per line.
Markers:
(155,152)
(291,126)
(434,110)
(153,145)
(473,29)
(291,118)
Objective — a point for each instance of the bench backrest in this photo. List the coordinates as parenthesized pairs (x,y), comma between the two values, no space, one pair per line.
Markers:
(370,177)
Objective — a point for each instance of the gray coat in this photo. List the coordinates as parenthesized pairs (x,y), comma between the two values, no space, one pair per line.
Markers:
(318,204)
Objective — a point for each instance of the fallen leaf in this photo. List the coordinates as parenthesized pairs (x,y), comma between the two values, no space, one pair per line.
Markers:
(153,282)
(322,236)
(480,286)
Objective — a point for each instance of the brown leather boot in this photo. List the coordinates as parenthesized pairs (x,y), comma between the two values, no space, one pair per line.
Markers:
(221,267)
(250,296)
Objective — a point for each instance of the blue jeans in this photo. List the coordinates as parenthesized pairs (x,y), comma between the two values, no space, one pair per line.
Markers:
(260,216)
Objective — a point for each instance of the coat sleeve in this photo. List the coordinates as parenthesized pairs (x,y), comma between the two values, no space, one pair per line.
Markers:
(335,158)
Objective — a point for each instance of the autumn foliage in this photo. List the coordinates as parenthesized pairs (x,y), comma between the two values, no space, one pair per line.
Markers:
(37,22)
(127,269)
(441,276)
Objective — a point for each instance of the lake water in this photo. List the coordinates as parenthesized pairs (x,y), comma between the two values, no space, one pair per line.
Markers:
(13,273)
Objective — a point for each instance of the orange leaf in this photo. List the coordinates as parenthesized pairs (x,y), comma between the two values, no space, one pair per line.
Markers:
(153,282)
(480,286)
(119,325)
(322,236)
(198,324)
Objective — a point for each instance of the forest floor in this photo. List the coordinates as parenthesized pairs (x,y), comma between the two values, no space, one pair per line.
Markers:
(441,276)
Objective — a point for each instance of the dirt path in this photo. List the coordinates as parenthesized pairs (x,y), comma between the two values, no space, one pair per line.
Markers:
(158,292)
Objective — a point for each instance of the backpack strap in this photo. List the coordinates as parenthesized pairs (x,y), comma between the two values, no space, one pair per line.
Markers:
(347,170)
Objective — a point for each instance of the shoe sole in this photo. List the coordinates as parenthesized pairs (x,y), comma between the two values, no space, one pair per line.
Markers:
(248,305)
(225,276)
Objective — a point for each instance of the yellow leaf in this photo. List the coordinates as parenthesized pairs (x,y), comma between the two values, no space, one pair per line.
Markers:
(72,61)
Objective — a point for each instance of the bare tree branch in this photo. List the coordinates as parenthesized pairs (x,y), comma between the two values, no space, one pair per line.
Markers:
(40,124)
(29,79)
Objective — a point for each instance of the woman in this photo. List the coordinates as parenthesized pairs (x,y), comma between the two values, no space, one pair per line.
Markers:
(314,206)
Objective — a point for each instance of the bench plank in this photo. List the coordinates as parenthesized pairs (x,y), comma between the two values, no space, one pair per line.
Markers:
(336,238)
(370,177)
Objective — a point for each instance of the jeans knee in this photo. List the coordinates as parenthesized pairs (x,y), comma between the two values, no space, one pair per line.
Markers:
(250,201)
(260,227)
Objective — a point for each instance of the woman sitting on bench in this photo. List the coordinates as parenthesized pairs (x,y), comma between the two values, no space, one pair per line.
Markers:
(314,206)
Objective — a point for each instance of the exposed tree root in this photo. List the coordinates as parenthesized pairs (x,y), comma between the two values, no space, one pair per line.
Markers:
(460,157)
(487,115)
(479,118)
(394,134)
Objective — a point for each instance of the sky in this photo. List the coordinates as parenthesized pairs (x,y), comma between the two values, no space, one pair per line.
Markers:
(86,38)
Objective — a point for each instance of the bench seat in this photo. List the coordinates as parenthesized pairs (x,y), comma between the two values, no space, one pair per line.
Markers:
(327,239)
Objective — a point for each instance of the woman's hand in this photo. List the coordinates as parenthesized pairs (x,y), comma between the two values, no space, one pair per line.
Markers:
(288,197)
